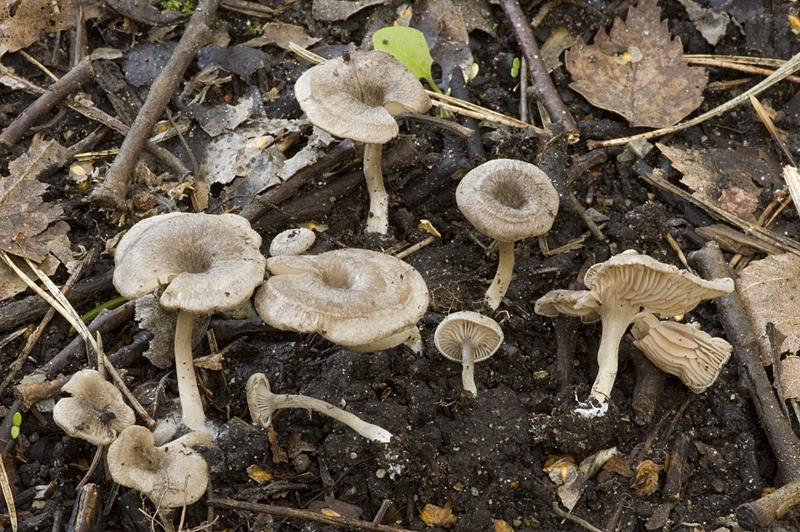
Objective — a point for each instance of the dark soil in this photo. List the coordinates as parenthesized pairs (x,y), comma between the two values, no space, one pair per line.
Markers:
(485,457)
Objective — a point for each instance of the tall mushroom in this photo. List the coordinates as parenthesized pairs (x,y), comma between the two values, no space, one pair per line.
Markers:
(507,200)
(355,97)
(359,299)
(618,289)
(211,262)
(468,337)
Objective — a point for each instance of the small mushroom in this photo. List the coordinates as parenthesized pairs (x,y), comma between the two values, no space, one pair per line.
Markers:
(96,412)
(355,97)
(211,262)
(171,475)
(468,337)
(620,288)
(681,349)
(359,299)
(292,242)
(263,403)
(507,200)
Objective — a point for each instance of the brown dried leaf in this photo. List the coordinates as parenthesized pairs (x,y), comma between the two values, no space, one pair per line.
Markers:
(790,377)
(638,70)
(446,34)
(770,292)
(726,178)
(438,516)
(24,217)
(34,16)
(646,480)
(281,34)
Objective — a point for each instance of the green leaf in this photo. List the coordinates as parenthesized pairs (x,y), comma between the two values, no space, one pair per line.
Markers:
(17,419)
(408,46)
(14,432)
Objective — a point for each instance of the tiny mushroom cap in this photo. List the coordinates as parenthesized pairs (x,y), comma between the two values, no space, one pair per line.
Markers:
(211,262)
(468,337)
(263,404)
(171,475)
(618,289)
(681,349)
(355,97)
(359,299)
(507,200)
(292,242)
(96,412)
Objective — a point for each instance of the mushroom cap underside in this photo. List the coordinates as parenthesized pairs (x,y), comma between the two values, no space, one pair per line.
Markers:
(349,296)
(508,200)
(211,262)
(466,327)
(356,98)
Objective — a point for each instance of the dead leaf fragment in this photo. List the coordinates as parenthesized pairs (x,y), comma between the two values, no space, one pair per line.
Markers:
(711,23)
(646,480)
(656,91)
(501,526)
(281,34)
(30,17)
(446,34)
(790,377)
(726,178)
(438,516)
(770,292)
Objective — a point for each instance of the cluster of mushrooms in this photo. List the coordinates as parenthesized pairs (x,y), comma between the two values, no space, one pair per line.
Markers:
(366,301)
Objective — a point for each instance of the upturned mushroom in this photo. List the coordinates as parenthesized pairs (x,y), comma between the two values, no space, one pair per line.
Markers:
(360,299)
(171,475)
(210,262)
(507,200)
(468,337)
(618,289)
(263,403)
(96,412)
(681,349)
(356,97)
(292,242)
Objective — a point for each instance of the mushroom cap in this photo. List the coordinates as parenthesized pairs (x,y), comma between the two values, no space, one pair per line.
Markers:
(466,326)
(508,200)
(356,98)
(211,262)
(643,281)
(352,297)
(570,302)
(681,349)
(292,242)
(96,412)
(171,475)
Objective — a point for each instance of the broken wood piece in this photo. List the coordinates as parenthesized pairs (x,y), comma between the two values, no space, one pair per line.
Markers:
(649,385)
(734,241)
(760,513)
(677,459)
(252,9)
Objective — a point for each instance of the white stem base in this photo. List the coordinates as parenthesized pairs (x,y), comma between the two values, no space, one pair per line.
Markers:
(378,221)
(608,357)
(191,404)
(505,269)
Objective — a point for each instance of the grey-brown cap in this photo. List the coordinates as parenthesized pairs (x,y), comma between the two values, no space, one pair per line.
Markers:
(352,297)
(508,200)
(211,262)
(356,97)
(96,412)
(171,475)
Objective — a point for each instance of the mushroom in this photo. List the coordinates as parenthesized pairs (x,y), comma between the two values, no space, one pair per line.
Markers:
(618,289)
(359,299)
(292,242)
(468,337)
(211,262)
(355,97)
(263,403)
(96,412)
(171,475)
(507,200)
(681,349)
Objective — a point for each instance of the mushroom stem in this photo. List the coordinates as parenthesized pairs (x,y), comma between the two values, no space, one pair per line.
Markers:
(468,368)
(378,220)
(608,355)
(193,415)
(263,403)
(505,268)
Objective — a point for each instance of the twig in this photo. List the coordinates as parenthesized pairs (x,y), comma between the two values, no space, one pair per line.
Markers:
(575,519)
(759,514)
(56,92)
(763,115)
(307,515)
(677,459)
(649,385)
(252,9)
(447,125)
(784,71)
(785,444)
(114,189)
(543,85)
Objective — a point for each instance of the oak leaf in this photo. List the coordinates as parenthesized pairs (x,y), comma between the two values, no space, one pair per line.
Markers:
(637,71)
(770,292)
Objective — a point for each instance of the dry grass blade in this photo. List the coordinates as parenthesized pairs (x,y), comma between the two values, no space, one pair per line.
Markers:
(443,101)
(8,495)
(734,65)
(763,115)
